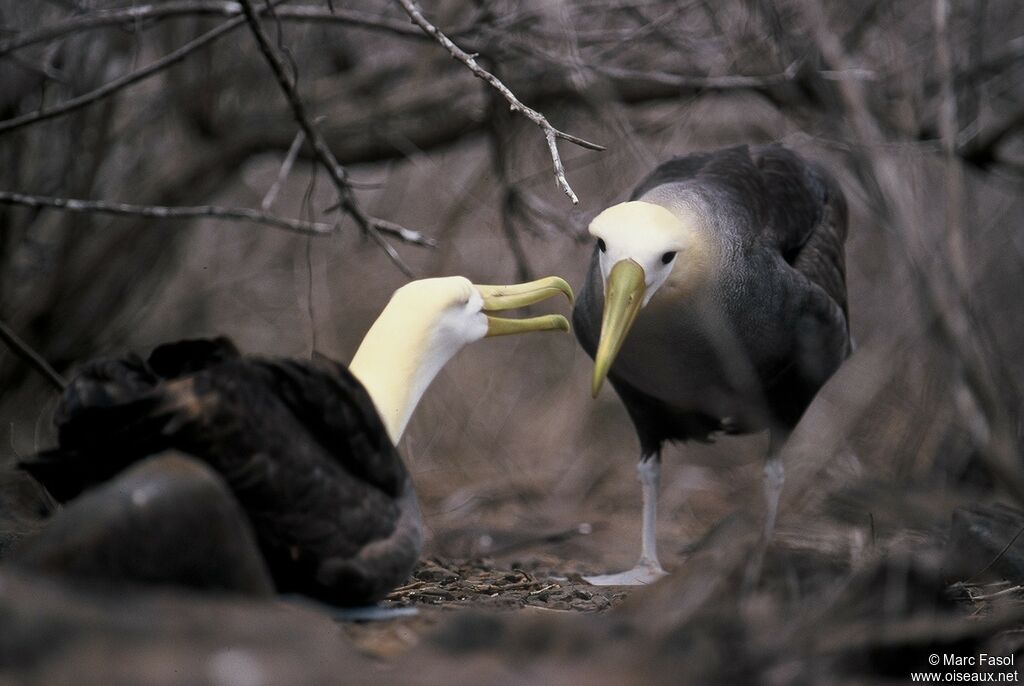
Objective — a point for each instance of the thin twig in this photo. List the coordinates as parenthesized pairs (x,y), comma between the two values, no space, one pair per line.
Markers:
(337,173)
(509,202)
(551,134)
(34,359)
(664,79)
(400,232)
(982,150)
(41,69)
(949,129)
(283,172)
(998,594)
(116,85)
(997,557)
(150,12)
(162,212)
(682,81)
(405,234)
(497,119)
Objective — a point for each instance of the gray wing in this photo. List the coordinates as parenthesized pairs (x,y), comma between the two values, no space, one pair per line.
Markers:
(806,222)
(806,218)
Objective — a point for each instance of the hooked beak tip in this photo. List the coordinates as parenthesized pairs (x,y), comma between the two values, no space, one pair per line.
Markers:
(499,298)
(508,297)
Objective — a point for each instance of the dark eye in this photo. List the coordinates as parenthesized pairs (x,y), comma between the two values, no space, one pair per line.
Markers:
(601,246)
(668,257)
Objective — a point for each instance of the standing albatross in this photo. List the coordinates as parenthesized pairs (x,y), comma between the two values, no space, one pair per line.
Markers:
(716,302)
(306,446)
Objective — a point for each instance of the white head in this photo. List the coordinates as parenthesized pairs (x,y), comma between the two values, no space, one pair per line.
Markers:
(641,246)
(650,235)
(426,323)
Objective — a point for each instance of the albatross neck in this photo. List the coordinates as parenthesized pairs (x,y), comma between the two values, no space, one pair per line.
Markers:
(396,362)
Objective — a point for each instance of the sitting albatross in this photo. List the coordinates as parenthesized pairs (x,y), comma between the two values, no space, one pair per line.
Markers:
(306,446)
(716,302)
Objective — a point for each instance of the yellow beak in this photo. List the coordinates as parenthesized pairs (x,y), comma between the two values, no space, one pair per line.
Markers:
(624,293)
(498,298)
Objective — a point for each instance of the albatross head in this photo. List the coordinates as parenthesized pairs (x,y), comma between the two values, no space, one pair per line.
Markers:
(427,322)
(641,245)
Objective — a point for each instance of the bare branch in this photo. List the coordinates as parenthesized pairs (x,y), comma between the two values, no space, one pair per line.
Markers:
(128,16)
(551,134)
(162,212)
(205,212)
(337,173)
(509,191)
(283,172)
(34,359)
(682,81)
(982,150)
(949,129)
(405,234)
(114,86)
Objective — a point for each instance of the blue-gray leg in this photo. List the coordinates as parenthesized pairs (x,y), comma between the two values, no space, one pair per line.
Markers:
(648,568)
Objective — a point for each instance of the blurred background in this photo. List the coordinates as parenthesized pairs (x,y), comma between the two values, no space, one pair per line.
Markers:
(916,107)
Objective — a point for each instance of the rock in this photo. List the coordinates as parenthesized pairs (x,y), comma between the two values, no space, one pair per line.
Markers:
(168,520)
(60,631)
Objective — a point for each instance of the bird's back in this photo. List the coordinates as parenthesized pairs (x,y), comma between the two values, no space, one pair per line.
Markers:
(794,206)
(299,443)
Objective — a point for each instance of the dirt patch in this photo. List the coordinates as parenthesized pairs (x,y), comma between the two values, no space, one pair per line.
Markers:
(483,584)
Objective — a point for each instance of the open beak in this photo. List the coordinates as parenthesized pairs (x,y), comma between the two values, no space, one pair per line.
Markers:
(498,298)
(624,293)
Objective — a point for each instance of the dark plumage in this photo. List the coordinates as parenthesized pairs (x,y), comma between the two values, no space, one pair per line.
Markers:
(299,443)
(784,222)
(748,344)
(307,447)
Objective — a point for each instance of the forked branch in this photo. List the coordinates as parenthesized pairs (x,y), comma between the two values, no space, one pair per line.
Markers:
(551,134)
(30,356)
(122,82)
(337,173)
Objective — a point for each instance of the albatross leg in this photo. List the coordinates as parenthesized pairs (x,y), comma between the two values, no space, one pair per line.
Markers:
(647,569)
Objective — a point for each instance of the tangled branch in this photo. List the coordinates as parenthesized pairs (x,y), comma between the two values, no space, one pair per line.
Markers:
(551,134)
(114,86)
(128,16)
(937,287)
(372,226)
